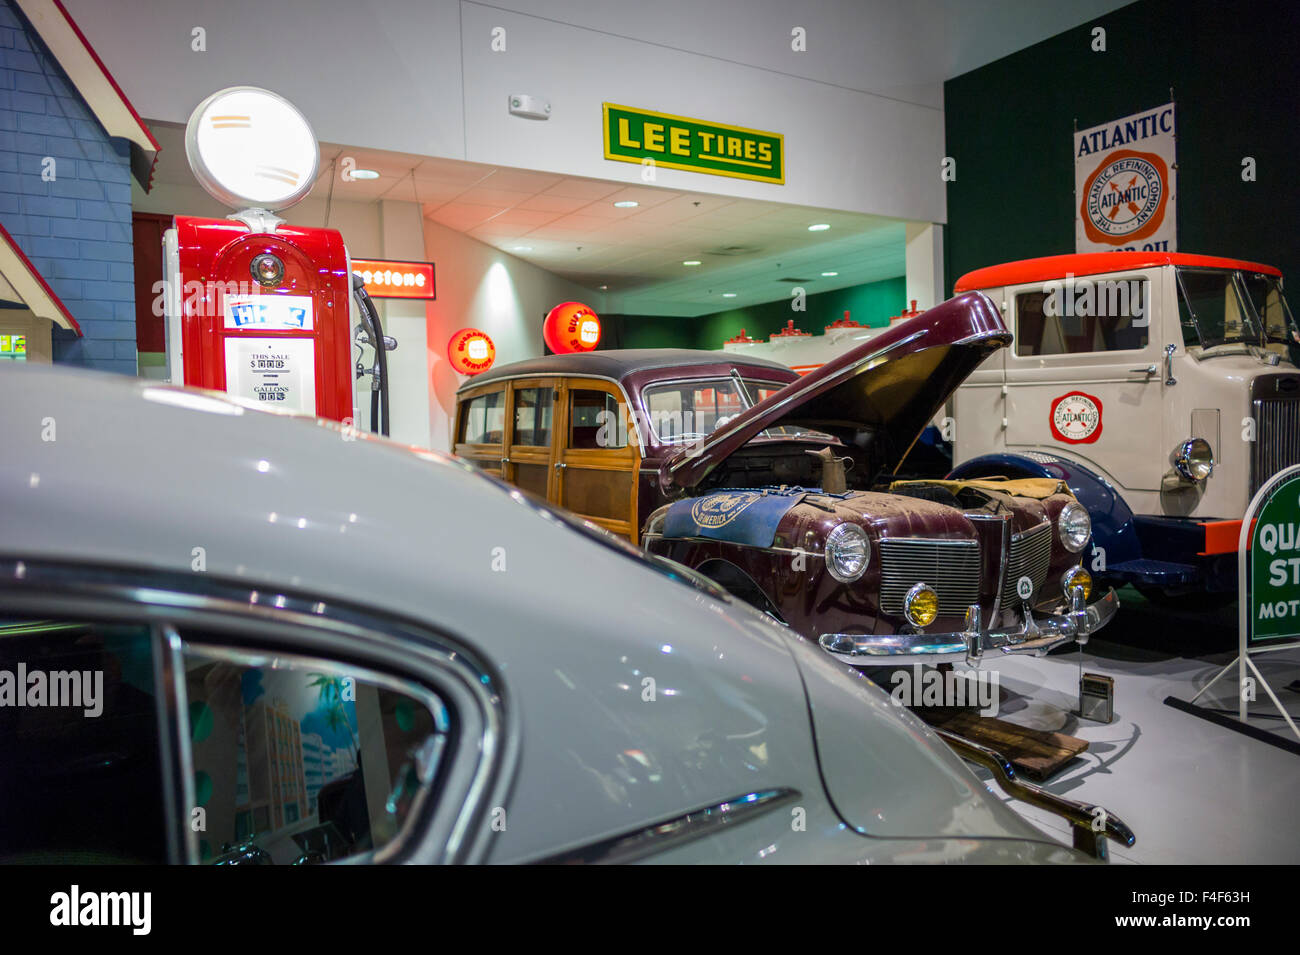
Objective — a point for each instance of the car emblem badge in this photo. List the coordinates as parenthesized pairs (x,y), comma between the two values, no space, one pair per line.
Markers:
(1075,418)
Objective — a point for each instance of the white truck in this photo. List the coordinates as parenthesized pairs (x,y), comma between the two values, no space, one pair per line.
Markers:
(1162,387)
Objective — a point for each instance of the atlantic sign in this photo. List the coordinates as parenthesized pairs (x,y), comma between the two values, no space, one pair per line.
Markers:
(1124,174)
(695,145)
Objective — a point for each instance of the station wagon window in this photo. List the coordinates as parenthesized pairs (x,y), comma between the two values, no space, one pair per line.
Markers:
(532,417)
(79,743)
(484,421)
(685,411)
(596,420)
(302,760)
(1090,316)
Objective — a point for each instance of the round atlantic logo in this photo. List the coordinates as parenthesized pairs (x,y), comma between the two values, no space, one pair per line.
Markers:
(1076,418)
(719,510)
(1124,198)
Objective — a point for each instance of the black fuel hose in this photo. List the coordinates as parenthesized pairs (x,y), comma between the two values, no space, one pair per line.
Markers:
(378,396)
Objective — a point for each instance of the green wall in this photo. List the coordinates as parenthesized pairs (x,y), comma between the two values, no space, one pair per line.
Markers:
(870,304)
(1233,68)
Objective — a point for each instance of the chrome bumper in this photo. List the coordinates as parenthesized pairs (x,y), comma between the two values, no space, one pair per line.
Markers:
(1035,635)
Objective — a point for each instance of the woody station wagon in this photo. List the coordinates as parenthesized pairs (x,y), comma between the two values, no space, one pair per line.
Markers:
(783,490)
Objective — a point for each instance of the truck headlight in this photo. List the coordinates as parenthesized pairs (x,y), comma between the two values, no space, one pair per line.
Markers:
(848,551)
(1074,526)
(1076,576)
(1193,459)
(921,605)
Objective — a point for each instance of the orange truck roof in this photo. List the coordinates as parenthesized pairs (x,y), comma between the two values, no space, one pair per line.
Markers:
(1093,263)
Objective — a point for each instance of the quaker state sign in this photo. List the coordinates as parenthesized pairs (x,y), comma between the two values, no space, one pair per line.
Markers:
(1124,194)
(1275,565)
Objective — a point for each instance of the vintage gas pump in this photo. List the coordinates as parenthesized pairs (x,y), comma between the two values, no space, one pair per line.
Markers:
(257,308)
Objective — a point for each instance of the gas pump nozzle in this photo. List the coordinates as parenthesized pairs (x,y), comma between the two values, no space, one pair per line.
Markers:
(372,333)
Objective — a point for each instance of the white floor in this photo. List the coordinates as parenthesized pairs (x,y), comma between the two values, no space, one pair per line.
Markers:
(1191,791)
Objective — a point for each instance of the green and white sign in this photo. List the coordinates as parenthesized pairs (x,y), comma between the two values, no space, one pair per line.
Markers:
(1275,565)
(695,145)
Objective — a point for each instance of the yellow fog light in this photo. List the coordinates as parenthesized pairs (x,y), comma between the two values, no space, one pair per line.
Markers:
(921,606)
(1076,576)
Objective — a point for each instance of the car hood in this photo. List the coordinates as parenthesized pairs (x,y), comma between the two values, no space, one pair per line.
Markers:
(882,393)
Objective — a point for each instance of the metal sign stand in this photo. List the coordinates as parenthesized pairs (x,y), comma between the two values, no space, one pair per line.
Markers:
(1243,660)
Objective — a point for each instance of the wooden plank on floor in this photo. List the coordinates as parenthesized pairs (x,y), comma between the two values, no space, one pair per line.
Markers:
(1036,753)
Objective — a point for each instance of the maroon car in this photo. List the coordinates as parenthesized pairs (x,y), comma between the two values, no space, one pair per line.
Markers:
(782,490)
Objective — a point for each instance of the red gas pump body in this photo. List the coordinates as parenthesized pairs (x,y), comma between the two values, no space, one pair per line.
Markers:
(215,272)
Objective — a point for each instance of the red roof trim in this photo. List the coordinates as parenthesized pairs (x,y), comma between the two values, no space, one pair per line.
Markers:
(10,241)
(1052,267)
(104,69)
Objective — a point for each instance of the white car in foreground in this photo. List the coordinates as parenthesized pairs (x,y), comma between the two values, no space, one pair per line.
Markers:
(261,639)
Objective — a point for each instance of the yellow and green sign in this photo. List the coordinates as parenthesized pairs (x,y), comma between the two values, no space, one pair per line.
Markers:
(676,142)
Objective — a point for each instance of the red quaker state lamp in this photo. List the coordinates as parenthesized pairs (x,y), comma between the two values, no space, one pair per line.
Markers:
(571,327)
(471,352)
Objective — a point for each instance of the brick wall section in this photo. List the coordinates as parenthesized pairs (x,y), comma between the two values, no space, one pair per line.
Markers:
(76,229)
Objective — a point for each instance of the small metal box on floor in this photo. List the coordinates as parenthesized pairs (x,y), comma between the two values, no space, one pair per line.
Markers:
(1096,697)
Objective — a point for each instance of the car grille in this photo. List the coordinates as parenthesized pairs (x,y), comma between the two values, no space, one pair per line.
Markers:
(1277,439)
(1031,552)
(951,568)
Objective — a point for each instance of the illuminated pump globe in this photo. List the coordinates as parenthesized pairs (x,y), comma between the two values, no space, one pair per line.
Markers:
(471,351)
(251,148)
(571,327)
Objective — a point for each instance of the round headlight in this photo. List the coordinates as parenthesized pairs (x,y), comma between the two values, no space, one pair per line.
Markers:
(1193,459)
(1074,526)
(848,551)
(1076,576)
(921,606)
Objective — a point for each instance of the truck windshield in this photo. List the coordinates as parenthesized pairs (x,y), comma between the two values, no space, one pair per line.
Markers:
(1218,307)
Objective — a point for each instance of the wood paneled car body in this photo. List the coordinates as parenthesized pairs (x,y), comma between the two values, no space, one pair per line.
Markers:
(782,489)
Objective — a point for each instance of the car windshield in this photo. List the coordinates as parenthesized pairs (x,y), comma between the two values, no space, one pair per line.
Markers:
(1218,307)
(1271,310)
(683,411)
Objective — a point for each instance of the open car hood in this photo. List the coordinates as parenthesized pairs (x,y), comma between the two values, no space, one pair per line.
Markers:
(876,399)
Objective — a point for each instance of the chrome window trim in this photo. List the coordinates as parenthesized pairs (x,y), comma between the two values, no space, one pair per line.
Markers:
(672,833)
(181,745)
(246,617)
(730,378)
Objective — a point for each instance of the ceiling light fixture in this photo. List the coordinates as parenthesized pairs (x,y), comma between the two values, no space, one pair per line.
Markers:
(728,294)
(521,248)
(819,227)
(829,274)
(626,204)
(364,174)
(691,262)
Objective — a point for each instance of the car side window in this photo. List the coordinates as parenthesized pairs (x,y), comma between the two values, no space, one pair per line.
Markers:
(533,417)
(483,419)
(596,420)
(300,760)
(79,743)
(1092,316)
(288,759)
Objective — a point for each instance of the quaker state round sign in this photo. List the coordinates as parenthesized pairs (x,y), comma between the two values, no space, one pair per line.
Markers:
(1124,197)
(1075,418)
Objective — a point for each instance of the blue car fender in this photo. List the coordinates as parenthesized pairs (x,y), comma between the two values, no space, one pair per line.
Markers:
(1114,533)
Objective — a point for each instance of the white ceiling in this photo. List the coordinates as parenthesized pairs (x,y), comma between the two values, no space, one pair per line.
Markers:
(571,227)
